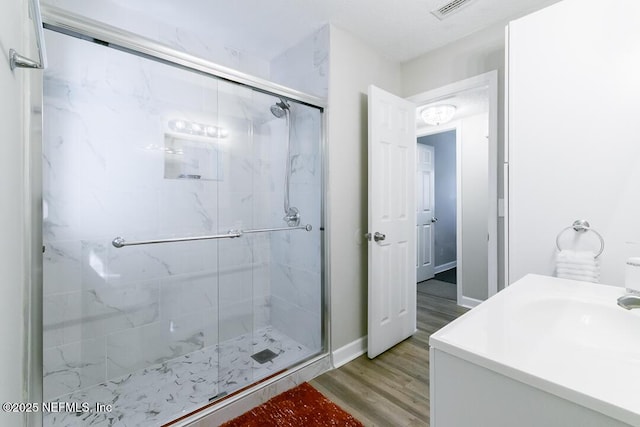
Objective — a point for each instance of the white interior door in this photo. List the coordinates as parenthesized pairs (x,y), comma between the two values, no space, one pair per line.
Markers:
(425,184)
(392,244)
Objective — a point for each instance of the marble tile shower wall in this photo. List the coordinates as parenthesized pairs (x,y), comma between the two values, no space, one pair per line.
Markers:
(296,257)
(108,311)
(135,18)
(296,291)
(305,66)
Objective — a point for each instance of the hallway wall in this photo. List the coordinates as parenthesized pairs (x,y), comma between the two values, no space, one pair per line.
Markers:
(444,145)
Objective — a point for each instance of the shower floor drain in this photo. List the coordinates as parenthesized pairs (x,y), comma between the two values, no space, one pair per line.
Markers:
(263,356)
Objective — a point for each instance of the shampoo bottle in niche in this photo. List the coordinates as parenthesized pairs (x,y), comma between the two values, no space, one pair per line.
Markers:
(632,275)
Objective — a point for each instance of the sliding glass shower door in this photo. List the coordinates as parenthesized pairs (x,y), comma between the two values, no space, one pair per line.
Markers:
(171,277)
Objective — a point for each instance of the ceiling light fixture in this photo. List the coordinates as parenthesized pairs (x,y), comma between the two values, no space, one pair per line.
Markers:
(438,114)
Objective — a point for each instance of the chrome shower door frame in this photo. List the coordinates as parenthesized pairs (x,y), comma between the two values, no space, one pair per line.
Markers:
(81,27)
(78,26)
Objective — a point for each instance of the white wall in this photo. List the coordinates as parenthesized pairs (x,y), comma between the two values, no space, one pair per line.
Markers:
(476,54)
(353,66)
(574,145)
(475,196)
(13,26)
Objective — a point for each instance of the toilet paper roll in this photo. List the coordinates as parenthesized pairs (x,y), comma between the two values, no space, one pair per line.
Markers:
(632,274)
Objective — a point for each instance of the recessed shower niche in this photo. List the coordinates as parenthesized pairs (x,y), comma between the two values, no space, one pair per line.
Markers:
(192,157)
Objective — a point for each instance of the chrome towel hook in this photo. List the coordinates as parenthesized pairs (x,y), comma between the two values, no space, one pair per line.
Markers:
(581,226)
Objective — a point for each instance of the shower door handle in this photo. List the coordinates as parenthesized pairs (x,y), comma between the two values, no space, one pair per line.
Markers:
(119,242)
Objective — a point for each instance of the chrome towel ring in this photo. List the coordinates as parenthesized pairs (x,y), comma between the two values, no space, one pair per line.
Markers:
(581,226)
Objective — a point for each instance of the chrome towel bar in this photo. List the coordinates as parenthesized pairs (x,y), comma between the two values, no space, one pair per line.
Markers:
(119,242)
(581,226)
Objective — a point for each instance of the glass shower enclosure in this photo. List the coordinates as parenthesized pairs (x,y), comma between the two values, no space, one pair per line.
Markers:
(182,225)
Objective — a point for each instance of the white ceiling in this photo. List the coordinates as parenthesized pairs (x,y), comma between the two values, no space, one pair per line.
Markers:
(400,30)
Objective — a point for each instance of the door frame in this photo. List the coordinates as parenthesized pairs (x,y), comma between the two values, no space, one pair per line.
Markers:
(490,80)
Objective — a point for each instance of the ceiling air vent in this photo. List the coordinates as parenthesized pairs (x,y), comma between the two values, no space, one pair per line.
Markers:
(450,8)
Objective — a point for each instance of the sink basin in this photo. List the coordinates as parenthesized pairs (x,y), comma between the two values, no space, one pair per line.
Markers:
(566,337)
(602,327)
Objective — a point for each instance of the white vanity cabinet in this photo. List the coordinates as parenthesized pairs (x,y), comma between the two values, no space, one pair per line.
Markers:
(468,395)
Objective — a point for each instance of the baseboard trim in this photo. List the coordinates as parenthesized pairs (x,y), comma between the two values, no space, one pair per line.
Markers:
(444,267)
(469,302)
(347,353)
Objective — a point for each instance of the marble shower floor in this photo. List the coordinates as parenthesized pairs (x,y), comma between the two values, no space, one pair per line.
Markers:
(166,391)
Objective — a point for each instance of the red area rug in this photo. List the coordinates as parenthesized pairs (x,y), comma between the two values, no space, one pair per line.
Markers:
(300,406)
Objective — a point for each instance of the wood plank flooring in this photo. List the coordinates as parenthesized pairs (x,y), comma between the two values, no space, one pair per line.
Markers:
(392,389)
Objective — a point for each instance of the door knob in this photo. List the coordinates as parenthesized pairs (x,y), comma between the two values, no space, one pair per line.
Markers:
(379,236)
(434,219)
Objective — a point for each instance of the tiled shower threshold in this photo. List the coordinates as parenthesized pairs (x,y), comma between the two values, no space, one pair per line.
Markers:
(164,392)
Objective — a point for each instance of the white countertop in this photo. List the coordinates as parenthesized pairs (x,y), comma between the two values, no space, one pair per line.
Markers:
(564,337)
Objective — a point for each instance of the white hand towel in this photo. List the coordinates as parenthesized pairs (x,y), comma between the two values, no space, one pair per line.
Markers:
(565,270)
(572,274)
(576,257)
(577,265)
(577,268)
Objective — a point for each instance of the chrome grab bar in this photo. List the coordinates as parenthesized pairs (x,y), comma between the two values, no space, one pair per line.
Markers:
(119,242)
